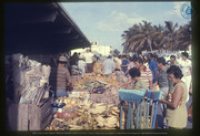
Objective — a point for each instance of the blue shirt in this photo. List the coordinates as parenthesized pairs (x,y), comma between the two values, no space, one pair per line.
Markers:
(152,66)
(109,65)
(124,62)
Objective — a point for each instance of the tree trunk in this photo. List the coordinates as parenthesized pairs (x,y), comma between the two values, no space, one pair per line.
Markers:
(149,42)
(170,42)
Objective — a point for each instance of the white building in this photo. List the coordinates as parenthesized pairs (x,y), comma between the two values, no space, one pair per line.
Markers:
(102,49)
(95,47)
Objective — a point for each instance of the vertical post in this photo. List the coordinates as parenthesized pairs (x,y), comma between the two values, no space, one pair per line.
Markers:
(121,114)
(145,113)
(152,113)
(131,115)
(147,117)
(128,118)
(137,116)
(155,114)
(140,118)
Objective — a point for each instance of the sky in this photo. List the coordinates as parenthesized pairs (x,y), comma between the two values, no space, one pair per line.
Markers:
(105,22)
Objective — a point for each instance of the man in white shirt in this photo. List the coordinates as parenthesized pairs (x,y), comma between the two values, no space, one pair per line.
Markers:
(89,59)
(82,64)
(186,67)
(108,66)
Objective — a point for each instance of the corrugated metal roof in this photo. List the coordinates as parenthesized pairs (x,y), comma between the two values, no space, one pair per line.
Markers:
(40,28)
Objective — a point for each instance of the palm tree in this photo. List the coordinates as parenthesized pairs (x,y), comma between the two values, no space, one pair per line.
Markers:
(171,32)
(184,37)
(139,37)
(159,39)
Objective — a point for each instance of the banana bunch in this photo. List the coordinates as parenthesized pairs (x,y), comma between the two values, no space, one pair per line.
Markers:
(57,124)
(110,122)
(89,116)
(91,78)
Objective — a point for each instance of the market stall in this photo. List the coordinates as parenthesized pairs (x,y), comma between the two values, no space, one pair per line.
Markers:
(34,34)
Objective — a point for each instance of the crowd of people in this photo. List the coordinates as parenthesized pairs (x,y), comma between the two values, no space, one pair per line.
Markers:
(142,71)
(152,73)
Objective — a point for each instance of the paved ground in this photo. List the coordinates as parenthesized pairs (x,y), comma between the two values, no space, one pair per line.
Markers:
(160,117)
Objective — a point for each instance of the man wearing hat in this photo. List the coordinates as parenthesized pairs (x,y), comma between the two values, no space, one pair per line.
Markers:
(60,79)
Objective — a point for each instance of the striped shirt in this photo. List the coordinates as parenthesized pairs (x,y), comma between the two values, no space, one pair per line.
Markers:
(146,76)
(59,78)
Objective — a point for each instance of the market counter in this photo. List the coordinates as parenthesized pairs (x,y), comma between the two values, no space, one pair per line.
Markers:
(109,96)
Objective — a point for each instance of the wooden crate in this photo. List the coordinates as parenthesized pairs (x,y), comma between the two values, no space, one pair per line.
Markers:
(30,117)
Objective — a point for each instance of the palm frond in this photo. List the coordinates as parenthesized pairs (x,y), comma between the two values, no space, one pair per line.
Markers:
(133,45)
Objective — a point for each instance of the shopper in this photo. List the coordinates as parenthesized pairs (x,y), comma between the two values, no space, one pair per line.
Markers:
(140,55)
(97,65)
(164,85)
(186,67)
(136,83)
(108,65)
(89,59)
(176,113)
(155,57)
(60,79)
(146,74)
(173,60)
(131,64)
(163,81)
(119,59)
(82,65)
(74,59)
(153,67)
(117,64)
(124,64)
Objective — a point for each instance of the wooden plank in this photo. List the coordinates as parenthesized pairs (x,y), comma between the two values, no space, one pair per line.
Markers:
(43,101)
(12,116)
(18,117)
(34,117)
(46,113)
(22,117)
(46,105)
(46,122)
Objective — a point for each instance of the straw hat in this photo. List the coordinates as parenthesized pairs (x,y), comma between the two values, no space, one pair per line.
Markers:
(63,59)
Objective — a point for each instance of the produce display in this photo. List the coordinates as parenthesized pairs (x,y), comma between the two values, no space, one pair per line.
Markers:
(79,114)
(92,81)
(97,67)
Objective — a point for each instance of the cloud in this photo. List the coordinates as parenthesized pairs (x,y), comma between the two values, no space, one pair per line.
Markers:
(119,21)
(176,11)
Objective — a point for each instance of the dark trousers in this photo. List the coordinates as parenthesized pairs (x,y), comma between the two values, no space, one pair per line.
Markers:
(89,68)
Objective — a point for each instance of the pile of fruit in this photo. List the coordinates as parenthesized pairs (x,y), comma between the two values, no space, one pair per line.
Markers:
(79,114)
(91,81)
(97,67)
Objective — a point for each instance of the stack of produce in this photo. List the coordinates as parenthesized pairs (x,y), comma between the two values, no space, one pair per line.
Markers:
(110,95)
(97,67)
(79,114)
(91,81)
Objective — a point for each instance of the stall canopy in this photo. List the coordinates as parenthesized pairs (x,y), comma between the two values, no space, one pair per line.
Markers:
(40,28)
